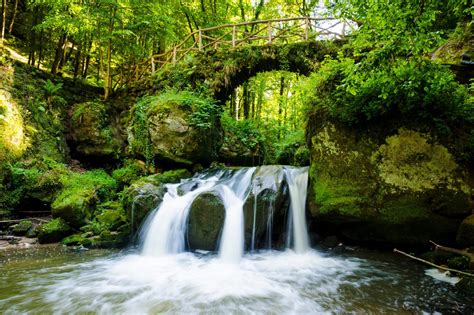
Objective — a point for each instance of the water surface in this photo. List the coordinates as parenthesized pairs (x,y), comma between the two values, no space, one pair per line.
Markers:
(56,280)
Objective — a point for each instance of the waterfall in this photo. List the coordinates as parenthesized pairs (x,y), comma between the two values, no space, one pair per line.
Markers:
(232,242)
(165,228)
(297,179)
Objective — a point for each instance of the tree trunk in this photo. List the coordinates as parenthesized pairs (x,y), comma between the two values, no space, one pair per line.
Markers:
(15,8)
(4,20)
(108,78)
(59,54)
(280,104)
(246,100)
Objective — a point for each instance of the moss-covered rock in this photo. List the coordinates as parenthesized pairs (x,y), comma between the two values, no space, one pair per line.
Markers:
(53,231)
(130,172)
(465,236)
(205,222)
(147,193)
(177,127)
(82,191)
(92,131)
(22,227)
(385,186)
(77,240)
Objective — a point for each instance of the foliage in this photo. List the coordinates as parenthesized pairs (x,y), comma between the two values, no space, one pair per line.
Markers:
(246,131)
(50,88)
(127,174)
(199,111)
(357,93)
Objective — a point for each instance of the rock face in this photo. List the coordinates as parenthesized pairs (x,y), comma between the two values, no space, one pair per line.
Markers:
(147,193)
(268,203)
(396,186)
(168,129)
(92,131)
(205,222)
(465,235)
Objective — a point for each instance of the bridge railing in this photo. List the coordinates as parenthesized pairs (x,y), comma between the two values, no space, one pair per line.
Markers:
(261,32)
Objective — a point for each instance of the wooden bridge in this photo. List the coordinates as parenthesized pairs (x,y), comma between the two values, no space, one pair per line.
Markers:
(261,32)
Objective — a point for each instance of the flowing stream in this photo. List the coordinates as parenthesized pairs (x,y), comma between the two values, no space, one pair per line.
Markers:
(162,276)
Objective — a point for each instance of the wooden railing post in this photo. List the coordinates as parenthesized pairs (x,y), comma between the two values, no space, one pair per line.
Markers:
(152,64)
(306,29)
(174,54)
(233,36)
(200,40)
(269,32)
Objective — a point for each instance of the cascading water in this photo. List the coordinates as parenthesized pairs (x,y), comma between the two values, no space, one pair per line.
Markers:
(297,183)
(165,279)
(165,230)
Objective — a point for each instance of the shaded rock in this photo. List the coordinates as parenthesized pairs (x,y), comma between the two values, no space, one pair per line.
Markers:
(465,236)
(236,152)
(330,241)
(92,131)
(384,185)
(205,222)
(269,201)
(22,228)
(53,231)
(147,193)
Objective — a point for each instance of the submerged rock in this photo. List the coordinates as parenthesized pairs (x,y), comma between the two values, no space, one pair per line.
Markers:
(205,222)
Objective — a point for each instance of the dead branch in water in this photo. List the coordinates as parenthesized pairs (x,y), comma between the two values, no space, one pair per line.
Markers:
(434,265)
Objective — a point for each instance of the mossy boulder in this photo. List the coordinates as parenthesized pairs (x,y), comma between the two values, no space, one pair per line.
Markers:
(205,222)
(81,192)
(33,184)
(53,231)
(147,193)
(93,132)
(22,227)
(176,127)
(385,184)
(465,236)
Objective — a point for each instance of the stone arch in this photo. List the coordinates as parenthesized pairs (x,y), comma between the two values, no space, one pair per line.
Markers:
(221,71)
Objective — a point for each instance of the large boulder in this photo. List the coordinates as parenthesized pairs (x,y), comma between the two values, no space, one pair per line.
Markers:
(76,202)
(145,194)
(176,127)
(386,185)
(205,222)
(465,235)
(53,231)
(92,131)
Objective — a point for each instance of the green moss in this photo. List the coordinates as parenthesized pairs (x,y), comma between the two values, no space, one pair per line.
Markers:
(92,130)
(22,227)
(77,240)
(335,197)
(128,174)
(53,231)
(409,162)
(403,209)
(82,191)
